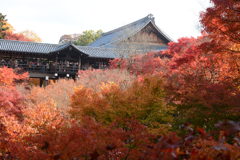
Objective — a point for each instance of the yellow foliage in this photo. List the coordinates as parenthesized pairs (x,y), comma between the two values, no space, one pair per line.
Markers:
(9,26)
(108,87)
(143,101)
(31,35)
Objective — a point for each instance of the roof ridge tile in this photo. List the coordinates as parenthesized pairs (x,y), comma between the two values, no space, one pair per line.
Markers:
(127,25)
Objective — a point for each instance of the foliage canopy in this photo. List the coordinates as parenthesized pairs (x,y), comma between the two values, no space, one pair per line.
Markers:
(88,37)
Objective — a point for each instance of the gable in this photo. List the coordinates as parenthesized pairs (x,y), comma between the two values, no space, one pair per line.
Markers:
(147,39)
(149,34)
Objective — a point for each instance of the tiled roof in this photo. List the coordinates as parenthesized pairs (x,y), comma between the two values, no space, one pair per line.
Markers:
(122,33)
(27,47)
(62,46)
(45,48)
(104,47)
(99,52)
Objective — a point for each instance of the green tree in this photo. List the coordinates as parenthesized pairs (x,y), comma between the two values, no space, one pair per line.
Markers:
(88,37)
(3,26)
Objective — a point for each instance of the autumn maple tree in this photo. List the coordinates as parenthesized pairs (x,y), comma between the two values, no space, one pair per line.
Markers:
(180,103)
(11,105)
(222,23)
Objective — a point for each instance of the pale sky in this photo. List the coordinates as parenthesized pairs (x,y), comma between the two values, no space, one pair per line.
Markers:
(51,19)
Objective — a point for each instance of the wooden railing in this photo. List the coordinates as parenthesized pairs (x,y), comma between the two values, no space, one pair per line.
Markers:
(45,68)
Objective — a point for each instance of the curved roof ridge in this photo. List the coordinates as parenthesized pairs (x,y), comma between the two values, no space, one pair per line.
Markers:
(162,32)
(61,47)
(148,17)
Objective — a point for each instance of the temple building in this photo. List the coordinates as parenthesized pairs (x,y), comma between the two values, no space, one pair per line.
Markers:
(51,61)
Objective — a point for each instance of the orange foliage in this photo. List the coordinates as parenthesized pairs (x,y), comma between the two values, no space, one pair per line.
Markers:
(61,91)
(144,101)
(8,77)
(16,36)
(222,21)
(10,98)
(11,104)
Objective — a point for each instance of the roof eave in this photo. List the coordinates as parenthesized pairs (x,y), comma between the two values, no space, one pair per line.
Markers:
(161,32)
(26,52)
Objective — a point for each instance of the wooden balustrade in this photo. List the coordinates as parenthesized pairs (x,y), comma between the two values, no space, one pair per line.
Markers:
(44,68)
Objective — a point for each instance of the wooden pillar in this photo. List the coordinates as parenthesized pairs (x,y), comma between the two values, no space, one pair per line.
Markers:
(79,63)
(45,83)
(57,63)
(41,82)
